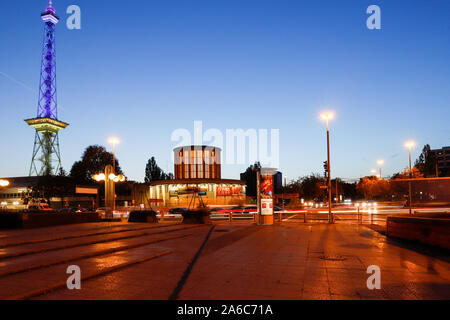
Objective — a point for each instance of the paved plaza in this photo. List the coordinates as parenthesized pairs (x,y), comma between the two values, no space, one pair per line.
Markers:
(236,260)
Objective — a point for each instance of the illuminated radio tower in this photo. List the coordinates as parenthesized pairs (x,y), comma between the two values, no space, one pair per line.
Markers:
(46,158)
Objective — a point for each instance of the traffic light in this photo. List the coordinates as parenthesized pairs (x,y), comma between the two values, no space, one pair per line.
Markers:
(325,166)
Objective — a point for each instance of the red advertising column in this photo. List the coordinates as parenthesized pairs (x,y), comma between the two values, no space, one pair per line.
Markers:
(266,192)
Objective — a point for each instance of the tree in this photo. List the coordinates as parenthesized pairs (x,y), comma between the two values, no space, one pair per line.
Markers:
(415,173)
(374,188)
(62,172)
(169,176)
(249,176)
(308,187)
(94,160)
(427,162)
(154,173)
(311,187)
(49,186)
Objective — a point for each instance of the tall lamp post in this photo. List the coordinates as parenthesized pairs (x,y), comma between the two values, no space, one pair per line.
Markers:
(114,141)
(110,180)
(327,117)
(380,163)
(410,145)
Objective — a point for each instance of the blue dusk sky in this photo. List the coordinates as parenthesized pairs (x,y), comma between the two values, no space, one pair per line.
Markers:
(139,70)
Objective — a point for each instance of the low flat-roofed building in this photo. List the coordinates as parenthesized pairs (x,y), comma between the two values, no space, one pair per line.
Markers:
(14,194)
(197,171)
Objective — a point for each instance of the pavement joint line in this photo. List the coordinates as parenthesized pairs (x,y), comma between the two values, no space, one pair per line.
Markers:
(177,290)
(89,255)
(74,245)
(109,226)
(62,284)
(15,244)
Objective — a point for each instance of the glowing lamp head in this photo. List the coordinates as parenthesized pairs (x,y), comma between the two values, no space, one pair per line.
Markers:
(113,140)
(410,144)
(327,116)
(380,162)
(99,177)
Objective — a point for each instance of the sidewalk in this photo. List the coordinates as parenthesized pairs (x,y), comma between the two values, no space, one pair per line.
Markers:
(284,261)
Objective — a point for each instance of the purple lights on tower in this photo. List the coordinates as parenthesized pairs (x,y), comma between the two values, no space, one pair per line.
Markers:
(46,158)
(47,103)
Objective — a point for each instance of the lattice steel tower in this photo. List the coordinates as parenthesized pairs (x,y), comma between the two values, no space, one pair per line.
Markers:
(46,157)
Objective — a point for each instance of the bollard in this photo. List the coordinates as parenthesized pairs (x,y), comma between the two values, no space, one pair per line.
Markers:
(371,218)
(305,217)
(254,217)
(359,217)
(162,215)
(280,216)
(231,216)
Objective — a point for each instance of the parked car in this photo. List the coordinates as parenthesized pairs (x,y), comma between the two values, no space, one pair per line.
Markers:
(39,207)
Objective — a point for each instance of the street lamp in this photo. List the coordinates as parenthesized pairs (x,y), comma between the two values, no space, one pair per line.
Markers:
(410,145)
(110,180)
(114,141)
(327,117)
(111,176)
(380,163)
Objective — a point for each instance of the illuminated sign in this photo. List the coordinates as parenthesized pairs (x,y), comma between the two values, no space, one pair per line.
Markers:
(227,191)
(86,190)
(266,207)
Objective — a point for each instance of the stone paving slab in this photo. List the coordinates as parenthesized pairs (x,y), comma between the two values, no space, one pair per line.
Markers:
(284,261)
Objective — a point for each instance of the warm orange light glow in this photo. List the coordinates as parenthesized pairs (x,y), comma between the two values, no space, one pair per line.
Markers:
(113,140)
(373,171)
(327,116)
(112,176)
(4,183)
(380,162)
(410,144)
(99,177)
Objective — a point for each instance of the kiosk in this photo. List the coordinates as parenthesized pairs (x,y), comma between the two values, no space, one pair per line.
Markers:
(265,186)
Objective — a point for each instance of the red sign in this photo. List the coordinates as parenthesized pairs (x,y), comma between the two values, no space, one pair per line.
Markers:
(227,191)
(267,185)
